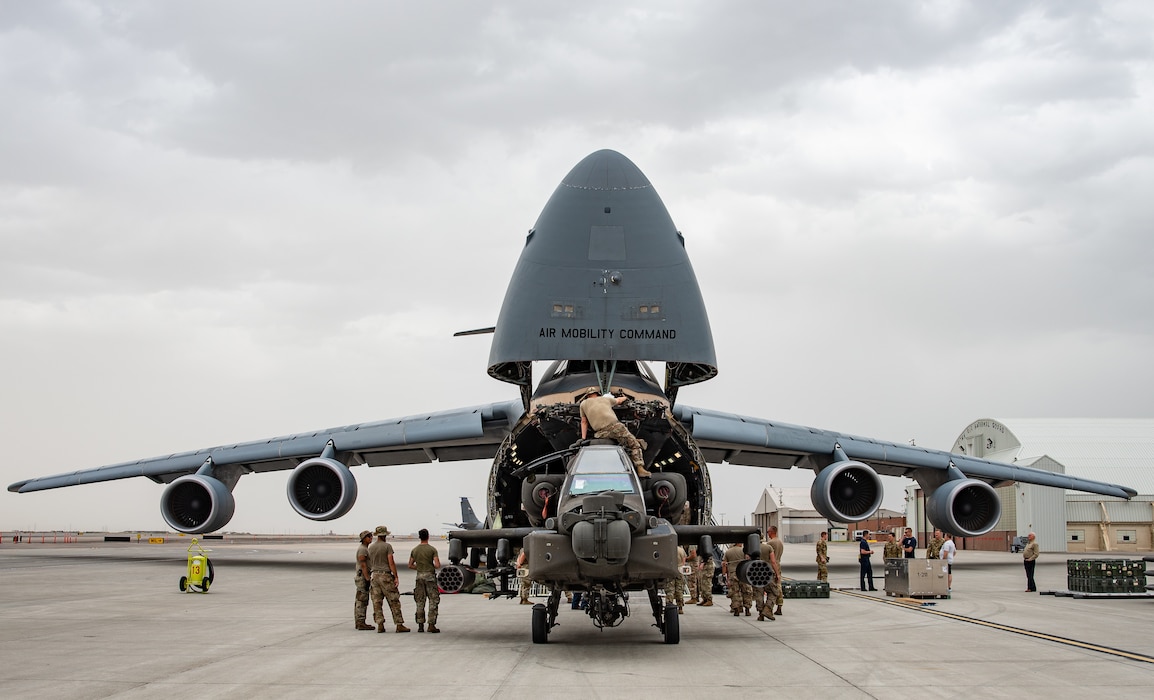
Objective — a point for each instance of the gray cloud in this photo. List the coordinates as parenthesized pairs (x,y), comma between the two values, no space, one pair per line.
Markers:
(226,221)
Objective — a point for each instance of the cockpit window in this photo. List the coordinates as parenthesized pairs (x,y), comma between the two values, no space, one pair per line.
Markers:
(583,484)
(601,468)
(600,460)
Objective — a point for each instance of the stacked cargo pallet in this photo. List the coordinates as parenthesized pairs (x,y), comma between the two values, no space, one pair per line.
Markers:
(1106,575)
(804,589)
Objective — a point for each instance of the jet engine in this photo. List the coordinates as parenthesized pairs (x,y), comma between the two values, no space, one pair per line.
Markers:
(322,488)
(539,496)
(846,491)
(197,503)
(964,507)
(667,494)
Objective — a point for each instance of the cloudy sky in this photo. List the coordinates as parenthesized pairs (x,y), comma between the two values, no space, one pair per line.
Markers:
(227,221)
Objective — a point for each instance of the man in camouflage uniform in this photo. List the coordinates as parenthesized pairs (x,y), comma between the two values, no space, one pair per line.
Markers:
(597,413)
(524,585)
(774,542)
(675,587)
(823,556)
(361,606)
(705,578)
(426,561)
(893,550)
(771,594)
(740,594)
(934,548)
(384,582)
(691,579)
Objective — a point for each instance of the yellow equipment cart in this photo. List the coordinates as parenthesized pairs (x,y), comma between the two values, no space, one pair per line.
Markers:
(199,576)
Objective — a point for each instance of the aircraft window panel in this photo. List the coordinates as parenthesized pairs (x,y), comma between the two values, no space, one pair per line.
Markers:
(562,309)
(596,483)
(600,462)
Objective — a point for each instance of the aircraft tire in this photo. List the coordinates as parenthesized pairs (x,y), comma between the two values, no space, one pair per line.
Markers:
(672,625)
(540,624)
(183,584)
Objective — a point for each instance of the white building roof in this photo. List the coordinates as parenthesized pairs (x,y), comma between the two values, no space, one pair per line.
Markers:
(1114,450)
(793,498)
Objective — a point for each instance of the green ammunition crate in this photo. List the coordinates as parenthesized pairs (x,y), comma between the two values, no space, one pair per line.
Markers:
(804,589)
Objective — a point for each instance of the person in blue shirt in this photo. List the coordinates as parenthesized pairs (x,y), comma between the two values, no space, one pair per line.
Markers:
(867,569)
(909,544)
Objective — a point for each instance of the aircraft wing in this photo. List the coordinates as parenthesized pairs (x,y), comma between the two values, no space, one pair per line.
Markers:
(736,439)
(465,433)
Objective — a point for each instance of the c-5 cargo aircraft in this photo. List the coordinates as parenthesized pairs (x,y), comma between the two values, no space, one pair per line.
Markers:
(603,285)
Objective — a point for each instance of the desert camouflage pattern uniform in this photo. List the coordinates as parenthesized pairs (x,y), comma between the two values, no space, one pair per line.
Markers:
(705,580)
(740,594)
(691,579)
(934,549)
(769,596)
(822,559)
(778,548)
(675,587)
(426,588)
(623,437)
(383,586)
(893,550)
(361,605)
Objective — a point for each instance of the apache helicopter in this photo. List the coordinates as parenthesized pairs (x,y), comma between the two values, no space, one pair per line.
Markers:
(599,534)
(603,285)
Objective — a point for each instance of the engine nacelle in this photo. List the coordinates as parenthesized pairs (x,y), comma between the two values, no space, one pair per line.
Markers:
(539,496)
(666,495)
(964,507)
(846,492)
(195,503)
(322,489)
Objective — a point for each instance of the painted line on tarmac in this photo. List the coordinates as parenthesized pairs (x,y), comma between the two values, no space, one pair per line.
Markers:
(1007,628)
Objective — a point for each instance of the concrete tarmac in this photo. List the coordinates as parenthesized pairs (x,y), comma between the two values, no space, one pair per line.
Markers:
(108,620)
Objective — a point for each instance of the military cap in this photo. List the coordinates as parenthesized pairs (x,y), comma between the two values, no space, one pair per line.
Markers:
(364,534)
(381,531)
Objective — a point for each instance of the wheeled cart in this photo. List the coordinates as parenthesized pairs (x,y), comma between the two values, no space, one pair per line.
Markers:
(199,575)
(917,578)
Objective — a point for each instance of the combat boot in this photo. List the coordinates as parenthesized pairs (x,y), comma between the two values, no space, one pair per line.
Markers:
(380,628)
(420,627)
(643,472)
(433,629)
(760,617)
(747,612)
(401,627)
(363,626)
(778,611)
(707,603)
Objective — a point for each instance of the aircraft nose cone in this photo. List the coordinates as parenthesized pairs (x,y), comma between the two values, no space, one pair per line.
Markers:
(606,170)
